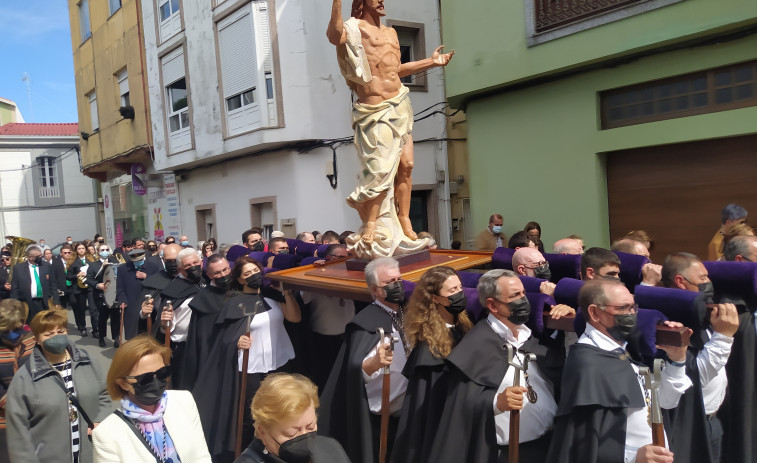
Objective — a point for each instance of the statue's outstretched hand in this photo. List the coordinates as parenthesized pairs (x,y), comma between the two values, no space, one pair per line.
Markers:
(441,59)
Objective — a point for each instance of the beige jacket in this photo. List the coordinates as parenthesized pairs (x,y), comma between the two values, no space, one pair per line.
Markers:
(487,241)
(114,442)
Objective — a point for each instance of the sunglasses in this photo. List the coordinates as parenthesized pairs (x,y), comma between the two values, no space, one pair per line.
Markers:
(146,378)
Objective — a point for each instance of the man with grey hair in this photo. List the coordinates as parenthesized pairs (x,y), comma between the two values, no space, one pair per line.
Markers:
(33,283)
(481,390)
(306,237)
(351,400)
(568,246)
(174,313)
(741,249)
(730,215)
(602,414)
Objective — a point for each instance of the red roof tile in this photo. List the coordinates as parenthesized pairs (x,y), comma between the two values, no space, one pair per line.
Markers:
(32,129)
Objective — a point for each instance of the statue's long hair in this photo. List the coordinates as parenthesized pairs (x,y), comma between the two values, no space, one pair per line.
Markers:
(357,9)
(422,320)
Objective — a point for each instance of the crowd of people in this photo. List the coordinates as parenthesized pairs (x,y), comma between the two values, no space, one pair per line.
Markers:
(428,371)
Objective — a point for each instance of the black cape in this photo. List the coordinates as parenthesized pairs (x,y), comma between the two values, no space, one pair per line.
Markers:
(739,410)
(422,408)
(177,292)
(205,306)
(466,430)
(344,413)
(322,450)
(686,424)
(216,390)
(597,388)
(153,286)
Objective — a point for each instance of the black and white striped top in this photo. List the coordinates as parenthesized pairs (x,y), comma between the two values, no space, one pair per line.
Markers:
(64,368)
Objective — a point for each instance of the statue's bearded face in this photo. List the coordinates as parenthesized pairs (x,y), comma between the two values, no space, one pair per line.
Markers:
(360,8)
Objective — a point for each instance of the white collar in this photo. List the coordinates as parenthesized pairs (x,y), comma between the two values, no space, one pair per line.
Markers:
(505,333)
(601,340)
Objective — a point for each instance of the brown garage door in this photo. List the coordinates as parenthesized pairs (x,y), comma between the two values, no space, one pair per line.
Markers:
(676,192)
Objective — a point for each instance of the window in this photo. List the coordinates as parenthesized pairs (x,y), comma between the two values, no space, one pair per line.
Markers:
(48,179)
(95,122)
(170,18)
(177,101)
(702,92)
(115,5)
(412,48)
(123,87)
(84,28)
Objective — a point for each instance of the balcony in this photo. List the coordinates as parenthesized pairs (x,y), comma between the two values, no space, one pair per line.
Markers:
(551,14)
(49,192)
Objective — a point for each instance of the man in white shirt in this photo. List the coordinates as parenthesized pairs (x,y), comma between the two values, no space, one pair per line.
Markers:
(602,415)
(481,392)
(707,369)
(351,400)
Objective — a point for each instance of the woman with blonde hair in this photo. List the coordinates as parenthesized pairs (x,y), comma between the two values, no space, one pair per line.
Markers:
(151,423)
(284,410)
(435,322)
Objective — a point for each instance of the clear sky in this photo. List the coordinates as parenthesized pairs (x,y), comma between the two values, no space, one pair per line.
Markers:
(35,39)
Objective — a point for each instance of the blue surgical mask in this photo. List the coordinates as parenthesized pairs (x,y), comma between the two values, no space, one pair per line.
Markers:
(138,264)
(185,243)
(104,254)
(496,229)
(12,335)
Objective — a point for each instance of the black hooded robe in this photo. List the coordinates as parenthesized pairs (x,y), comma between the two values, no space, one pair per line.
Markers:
(154,286)
(597,388)
(344,413)
(205,306)
(178,291)
(466,431)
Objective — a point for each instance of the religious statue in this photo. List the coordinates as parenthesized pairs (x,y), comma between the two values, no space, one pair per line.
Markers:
(382,117)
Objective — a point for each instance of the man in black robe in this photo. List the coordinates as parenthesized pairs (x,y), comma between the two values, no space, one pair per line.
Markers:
(602,414)
(129,292)
(475,423)
(154,285)
(351,399)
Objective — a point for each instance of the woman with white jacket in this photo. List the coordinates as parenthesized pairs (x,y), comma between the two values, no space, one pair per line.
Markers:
(152,424)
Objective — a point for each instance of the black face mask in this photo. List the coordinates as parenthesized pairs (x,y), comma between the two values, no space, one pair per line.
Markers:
(297,450)
(520,310)
(258,247)
(172,267)
(624,326)
(543,272)
(149,394)
(708,290)
(456,303)
(152,248)
(32,260)
(223,282)
(194,273)
(395,293)
(254,281)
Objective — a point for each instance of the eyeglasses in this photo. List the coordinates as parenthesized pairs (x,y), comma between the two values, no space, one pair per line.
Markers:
(146,378)
(624,309)
(542,264)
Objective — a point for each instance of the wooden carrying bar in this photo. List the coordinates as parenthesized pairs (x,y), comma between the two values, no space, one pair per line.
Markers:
(666,336)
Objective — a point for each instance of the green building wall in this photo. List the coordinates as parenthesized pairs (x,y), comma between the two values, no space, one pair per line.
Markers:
(537,153)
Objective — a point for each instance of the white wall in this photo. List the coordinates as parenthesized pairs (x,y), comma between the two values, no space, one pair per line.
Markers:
(53,224)
(16,184)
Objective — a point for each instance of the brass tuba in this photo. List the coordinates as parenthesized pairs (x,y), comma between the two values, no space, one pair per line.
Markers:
(18,249)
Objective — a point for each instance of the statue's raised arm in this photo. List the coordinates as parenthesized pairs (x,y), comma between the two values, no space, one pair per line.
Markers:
(335,32)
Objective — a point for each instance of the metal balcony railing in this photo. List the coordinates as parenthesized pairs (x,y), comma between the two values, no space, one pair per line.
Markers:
(49,192)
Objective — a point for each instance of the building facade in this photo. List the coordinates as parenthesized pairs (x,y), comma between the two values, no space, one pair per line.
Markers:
(42,192)
(251,114)
(9,112)
(114,114)
(614,117)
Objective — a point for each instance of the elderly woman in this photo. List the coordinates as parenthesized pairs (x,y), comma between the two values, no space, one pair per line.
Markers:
(435,322)
(151,423)
(284,410)
(53,397)
(16,345)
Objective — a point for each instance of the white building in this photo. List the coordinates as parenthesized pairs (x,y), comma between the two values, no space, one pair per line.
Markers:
(240,94)
(43,194)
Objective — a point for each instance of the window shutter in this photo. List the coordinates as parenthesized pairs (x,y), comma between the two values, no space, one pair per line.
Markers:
(123,83)
(264,35)
(238,58)
(173,67)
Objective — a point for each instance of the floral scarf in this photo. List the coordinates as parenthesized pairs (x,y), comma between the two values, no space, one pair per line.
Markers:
(152,428)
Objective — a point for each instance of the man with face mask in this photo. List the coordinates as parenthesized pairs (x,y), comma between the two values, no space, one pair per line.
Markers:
(205,307)
(353,391)
(602,415)
(100,311)
(129,290)
(492,237)
(531,263)
(253,239)
(705,364)
(481,391)
(154,285)
(175,314)
(33,283)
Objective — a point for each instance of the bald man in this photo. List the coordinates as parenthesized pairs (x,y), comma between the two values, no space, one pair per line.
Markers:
(531,263)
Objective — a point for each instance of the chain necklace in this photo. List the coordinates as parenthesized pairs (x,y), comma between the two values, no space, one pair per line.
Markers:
(531,394)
